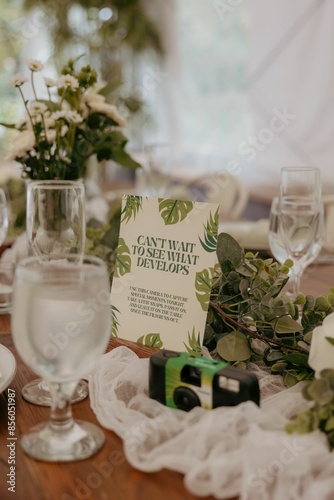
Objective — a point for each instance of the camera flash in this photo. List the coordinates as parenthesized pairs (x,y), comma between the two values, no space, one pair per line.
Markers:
(229,383)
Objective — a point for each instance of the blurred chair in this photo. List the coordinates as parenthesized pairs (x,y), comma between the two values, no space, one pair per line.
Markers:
(226,190)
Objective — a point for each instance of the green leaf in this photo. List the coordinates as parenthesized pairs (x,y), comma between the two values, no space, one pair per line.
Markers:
(8,125)
(329,424)
(234,347)
(123,158)
(229,252)
(114,321)
(278,367)
(52,106)
(131,208)
(194,345)
(297,359)
(330,340)
(210,236)
(270,356)
(203,282)
(110,237)
(174,211)
(123,259)
(151,340)
(286,325)
(320,391)
(290,379)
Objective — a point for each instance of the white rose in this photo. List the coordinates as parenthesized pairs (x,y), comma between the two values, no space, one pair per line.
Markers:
(322,351)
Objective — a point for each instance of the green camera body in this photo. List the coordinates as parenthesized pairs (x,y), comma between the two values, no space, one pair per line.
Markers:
(183,381)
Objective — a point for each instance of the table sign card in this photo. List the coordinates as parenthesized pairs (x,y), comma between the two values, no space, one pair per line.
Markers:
(164,267)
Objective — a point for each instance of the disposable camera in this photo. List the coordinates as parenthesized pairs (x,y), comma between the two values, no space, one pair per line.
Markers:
(183,381)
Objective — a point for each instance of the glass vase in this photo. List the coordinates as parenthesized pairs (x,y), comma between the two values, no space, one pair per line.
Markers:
(55,217)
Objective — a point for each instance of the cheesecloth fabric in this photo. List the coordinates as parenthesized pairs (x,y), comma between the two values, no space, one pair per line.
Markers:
(225,452)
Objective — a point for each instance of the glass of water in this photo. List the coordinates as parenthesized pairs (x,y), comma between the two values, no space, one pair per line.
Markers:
(55,225)
(60,335)
(300,218)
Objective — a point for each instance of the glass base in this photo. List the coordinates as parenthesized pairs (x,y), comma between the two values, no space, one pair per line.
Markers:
(80,441)
(37,392)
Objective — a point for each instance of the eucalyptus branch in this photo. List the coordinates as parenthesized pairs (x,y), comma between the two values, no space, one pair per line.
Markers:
(253,333)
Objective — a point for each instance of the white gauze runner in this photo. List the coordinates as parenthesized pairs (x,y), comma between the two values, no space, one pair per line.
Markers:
(225,452)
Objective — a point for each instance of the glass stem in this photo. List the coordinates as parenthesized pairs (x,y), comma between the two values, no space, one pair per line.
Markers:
(61,409)
(295,278)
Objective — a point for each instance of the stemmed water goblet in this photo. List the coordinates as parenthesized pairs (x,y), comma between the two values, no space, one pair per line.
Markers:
(277,247)
(55,225)
(52,296)
(300,218)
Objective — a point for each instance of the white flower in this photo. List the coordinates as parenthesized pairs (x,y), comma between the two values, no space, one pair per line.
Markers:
(21,144)
(34,65)
(109,110)
(97,87)
(51,135)
(17,80)
(49,122)
(65,159)
(68,82)
(322,351)
(37,108)
(49,82)
(90,99)
(63,130)
(74,117)
(59,115)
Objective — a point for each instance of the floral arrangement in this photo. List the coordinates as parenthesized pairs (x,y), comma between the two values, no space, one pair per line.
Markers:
(72,123)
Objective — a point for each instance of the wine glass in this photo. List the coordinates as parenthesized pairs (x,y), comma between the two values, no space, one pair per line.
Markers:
(300,218)
(63,297)
(277,247)
(276,243)
(55,225)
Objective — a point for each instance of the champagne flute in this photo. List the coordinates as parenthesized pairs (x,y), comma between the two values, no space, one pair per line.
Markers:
(300,216)
(55,225)
(53,296)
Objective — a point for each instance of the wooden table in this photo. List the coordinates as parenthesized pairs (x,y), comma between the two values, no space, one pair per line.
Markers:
(107,475)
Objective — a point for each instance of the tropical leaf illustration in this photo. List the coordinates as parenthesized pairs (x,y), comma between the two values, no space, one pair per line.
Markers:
(203,282)
(131,208)
(211,233)
(151,340)
(194,344)
(123,259)
(114,321)
(174,211)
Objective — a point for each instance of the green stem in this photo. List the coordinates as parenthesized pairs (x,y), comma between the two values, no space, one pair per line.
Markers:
(252,333)
(32,124)
(33,85)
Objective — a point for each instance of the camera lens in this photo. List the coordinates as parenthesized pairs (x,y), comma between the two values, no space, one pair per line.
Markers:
(185,399)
